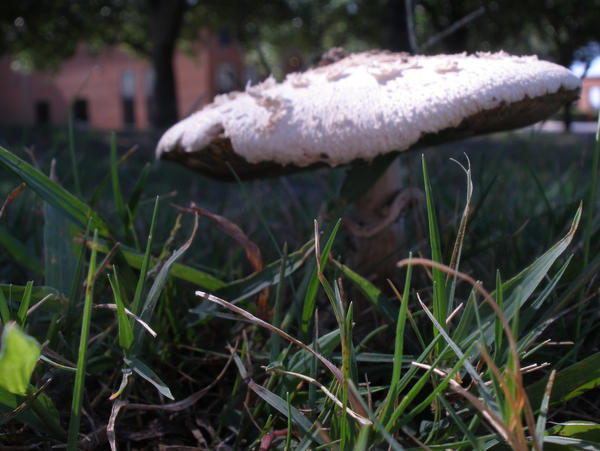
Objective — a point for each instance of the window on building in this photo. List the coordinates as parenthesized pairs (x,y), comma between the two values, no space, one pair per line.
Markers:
(42,112)
(80,110)
(149,80)
(128,96)
(225,78)
(594,97)
(224,38)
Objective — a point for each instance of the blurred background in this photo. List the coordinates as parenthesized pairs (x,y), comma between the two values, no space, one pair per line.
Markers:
(137,66)
(144,64)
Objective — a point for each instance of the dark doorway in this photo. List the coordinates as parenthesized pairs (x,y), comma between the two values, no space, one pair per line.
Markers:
(128,88)
(42,112)
(80,110)
(128,112)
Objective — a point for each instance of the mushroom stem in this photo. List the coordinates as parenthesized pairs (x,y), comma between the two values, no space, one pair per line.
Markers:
(377,231)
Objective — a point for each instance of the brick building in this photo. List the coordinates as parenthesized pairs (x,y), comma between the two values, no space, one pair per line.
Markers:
(110,90)
(589,103)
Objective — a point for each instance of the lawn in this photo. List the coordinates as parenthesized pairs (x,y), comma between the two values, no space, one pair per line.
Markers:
(320,355)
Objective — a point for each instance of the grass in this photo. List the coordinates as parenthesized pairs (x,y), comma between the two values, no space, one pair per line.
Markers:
(240,323)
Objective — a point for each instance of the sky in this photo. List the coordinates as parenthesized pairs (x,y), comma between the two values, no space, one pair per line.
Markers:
(594,71)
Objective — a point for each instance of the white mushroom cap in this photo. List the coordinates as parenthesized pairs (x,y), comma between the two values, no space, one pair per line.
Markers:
(366,105)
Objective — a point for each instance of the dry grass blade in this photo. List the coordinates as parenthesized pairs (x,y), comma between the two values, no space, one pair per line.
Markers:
(110,427)
(106,261)
(515,405)
(318,248)
(454,313)
(172,407)
(38,304)
(249,316)
(416,440)
(130,314)
(516,373)
(187,402)
(362,420)
(490,416)
(252,250)
(10,198)
(7,416)
(234,231)
(268,438)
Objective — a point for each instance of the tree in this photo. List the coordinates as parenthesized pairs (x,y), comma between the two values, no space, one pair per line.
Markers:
(165,22)
(42,33)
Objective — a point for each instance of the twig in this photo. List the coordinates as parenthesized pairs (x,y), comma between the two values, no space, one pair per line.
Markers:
(452,28)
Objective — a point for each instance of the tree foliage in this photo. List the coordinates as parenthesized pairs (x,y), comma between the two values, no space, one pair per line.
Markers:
(287,35)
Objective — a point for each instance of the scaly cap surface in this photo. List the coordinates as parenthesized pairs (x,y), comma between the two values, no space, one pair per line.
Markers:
(365,105)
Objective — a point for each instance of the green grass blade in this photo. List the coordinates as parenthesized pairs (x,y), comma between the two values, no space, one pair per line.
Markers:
(246,287)
(587,231)
(275,339)
(288,435)
(300,361)
(19,253)
(587,431)
(134,199)
(498,331)
(116,187)
(76,282)
(161,280)
(184,272)
(398,348)
(437,390)
(18,356)
(77,403)
(59,253)
(566,443)
(144,266)
(72,154)
(468,435)
(144,370)
(524,284)
(346,423)
(69,205)
(257,211)
(362,441)
(25,301)
(371,293)
(107,178)
(415,386)
(467,364)
(569,383)
(439,287)
(125,330)
(460,238)
(41,415)
(311,292)
(281,406)
(55,304)
(4,310)
(394,445)
(540,426)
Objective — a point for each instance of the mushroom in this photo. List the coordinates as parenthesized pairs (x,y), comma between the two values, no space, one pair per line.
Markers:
(363,106)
